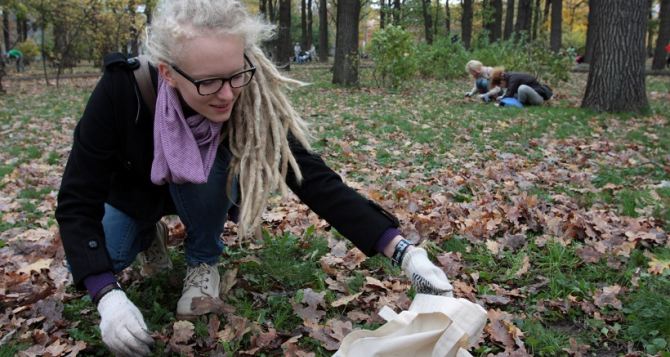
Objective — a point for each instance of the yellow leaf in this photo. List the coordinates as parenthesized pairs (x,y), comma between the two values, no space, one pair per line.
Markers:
(658,266)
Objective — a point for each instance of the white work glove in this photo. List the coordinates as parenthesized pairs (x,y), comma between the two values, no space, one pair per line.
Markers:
(426,277)
(122,326)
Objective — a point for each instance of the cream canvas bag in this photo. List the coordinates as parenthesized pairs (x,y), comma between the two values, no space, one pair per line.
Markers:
(434,326)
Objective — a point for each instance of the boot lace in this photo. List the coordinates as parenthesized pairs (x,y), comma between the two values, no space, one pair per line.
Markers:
(198,276)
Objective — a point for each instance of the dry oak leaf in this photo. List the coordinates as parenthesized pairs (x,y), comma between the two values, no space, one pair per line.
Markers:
(607,297)
(525,265)
(576,349)
(658,266)
(345,300)
(182,331)
(311,312)
(501,329)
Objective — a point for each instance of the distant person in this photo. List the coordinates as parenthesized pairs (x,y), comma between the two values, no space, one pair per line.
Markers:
(296,52)
(481,75)
(522,86)
(667,50)
(17,55)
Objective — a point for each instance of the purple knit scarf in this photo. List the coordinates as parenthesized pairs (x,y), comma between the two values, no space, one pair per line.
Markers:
(184,148)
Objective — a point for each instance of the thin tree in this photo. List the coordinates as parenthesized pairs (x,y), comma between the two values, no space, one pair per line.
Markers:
(616,81)
(496,32)
(523,18)
(492,18)
(663,35)
(382,14)
(427,21)
(447,18)
(310,22)
(556,25)
(436,18)
(345,68)
(284,48)
(590,33)
(651,27)
(323,31)
(466,23)
(536,20)
(303,24)
(396,12)
(5,29)
(509,20)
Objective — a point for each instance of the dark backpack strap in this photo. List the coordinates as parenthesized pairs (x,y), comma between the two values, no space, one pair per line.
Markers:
(143,79)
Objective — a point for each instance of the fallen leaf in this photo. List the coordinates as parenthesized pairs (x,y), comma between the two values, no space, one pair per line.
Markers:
(182,331)
(345,300)
(525,265)
(607,297)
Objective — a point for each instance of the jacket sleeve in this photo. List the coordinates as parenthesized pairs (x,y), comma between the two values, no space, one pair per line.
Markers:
(85,185)
(359,219)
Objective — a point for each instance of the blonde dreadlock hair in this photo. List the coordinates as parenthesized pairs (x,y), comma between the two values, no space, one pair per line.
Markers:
(262,117)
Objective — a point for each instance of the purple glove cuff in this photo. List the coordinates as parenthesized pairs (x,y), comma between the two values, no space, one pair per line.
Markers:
(386,238)
(94,283)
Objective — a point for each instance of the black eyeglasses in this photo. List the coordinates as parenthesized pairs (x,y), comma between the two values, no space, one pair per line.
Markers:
(209,86)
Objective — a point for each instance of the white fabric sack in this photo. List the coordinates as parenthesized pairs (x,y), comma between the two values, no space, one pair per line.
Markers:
(434,326)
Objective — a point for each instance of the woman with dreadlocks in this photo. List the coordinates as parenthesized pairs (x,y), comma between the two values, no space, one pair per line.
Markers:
(223,132)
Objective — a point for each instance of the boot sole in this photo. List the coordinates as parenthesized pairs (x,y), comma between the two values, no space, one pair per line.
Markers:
(187,317)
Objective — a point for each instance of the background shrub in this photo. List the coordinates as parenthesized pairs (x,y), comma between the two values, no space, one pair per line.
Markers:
(394,56)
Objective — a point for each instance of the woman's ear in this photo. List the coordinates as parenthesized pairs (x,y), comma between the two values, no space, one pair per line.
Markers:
(165,72)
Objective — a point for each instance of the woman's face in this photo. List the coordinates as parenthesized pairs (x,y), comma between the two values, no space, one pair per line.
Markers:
(208,57)
(474,73)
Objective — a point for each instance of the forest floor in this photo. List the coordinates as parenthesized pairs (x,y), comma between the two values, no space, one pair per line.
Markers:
(553,218)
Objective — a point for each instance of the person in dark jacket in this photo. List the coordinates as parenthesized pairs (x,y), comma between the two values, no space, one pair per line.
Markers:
(522,86)
(223,134)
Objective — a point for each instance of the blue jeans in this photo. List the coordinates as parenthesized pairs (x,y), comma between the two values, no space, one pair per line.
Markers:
(202,208)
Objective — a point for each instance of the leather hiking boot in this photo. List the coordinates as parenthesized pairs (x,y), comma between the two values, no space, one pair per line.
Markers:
(202,281)
(156,257)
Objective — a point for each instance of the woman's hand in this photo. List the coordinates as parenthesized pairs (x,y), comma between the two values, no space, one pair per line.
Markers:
(122,326)
(426,277)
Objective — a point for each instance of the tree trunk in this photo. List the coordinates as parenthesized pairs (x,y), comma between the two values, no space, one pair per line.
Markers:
(492,18)
(663,36)
(303,24)
(5,29)
(447,18)
(345,69)
(556,25)
(323,31)
(616,81)
(509,20)
(650,30)
(523,18)
(466,23)
(396,12)
(590,33)
(284,49)
(272,11)
(536,20)
(436,18)
(263,9)
(496,34)
(547,7)
(427,21)
(382,14)
(310,21)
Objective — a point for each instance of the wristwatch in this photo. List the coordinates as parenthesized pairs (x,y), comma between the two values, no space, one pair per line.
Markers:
(399,252)
(105,289)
